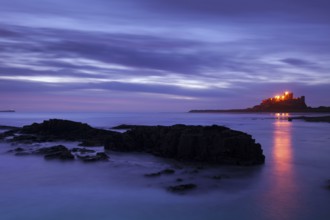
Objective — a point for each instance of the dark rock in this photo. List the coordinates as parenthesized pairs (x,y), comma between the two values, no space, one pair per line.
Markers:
(126,127)
(328,184)
(56,129)
(22,153)
(166,171)
(92,158)
(179,180)
(19,152)
(182,187)
(210,144)
(312,119)
(5,127)
(55,152)
(219,177)
(82,150)
(18,149)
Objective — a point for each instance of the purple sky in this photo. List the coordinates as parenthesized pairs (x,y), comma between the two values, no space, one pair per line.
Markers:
(161,55)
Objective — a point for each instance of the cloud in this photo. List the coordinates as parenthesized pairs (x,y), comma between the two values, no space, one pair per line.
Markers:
(297,62)
(202,51)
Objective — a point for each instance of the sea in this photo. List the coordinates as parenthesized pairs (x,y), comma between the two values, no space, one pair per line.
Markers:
(293,184)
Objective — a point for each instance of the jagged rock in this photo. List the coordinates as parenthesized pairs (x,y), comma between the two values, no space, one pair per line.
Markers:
(211,144)
(55,152)
(92,158)
(56,129)
(19,152)
(182,188)
(82,150)
(206,144)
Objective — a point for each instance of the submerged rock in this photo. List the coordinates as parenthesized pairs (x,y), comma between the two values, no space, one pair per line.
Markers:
(55,152)
(82,150)
(210,144)
(101,156)
(165,171)
(182,187)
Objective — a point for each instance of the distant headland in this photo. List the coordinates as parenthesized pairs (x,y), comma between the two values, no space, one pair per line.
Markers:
(279,103)
(9,110)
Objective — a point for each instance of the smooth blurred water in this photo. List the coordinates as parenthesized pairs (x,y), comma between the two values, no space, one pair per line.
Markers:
(291,184)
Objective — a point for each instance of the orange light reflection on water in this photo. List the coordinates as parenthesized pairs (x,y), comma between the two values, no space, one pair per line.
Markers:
(282,149)
(282,193)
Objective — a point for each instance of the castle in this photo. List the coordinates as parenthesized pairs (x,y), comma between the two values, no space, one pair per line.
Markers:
(280,103)
(284,102)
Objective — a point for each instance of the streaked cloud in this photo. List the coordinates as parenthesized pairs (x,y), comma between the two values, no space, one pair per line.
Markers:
(203,53)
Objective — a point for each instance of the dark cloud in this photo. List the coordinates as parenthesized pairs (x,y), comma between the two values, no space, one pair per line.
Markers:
(210,51)
(297,62)
(252,10)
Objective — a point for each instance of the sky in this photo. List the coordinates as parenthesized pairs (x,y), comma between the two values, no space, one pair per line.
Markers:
(161,55)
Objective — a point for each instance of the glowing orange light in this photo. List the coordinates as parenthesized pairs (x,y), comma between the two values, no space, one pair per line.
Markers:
(282,97)
(286,93)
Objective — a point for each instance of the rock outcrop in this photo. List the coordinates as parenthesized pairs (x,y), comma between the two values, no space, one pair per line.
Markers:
(56,129)
(207,144)
(210,144)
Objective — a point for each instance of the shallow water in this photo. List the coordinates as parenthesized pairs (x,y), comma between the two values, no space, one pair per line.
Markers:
(291,184)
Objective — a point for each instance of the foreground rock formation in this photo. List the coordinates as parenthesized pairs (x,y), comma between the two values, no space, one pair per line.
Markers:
(56,129)
(211,144)
(208,144)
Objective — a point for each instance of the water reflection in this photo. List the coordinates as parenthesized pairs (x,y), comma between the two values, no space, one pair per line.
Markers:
(282,148)
(283,187)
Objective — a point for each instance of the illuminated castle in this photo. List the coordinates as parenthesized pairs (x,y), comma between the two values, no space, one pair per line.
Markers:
(284,102)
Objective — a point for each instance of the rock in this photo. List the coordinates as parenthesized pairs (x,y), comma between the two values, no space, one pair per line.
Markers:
(166,171)
(22,153)
(312,119)
(82,150)
(55,152)
(219,177)
(56,129)
(92,158)
(182,188)
(210,144)
(18,149)
(19,152)
(205,144)
(5,127)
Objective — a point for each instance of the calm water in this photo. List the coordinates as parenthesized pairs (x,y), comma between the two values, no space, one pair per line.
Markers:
(291,185)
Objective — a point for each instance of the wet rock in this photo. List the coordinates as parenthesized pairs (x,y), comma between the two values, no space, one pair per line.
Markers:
(55,152)
(92,158)
(82,150)
(56,129)
(5,127)
(328,184)
(210,144)
(18,149)
(19,152)
(182,188)
(24,153)
(165,171)
(217,177)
